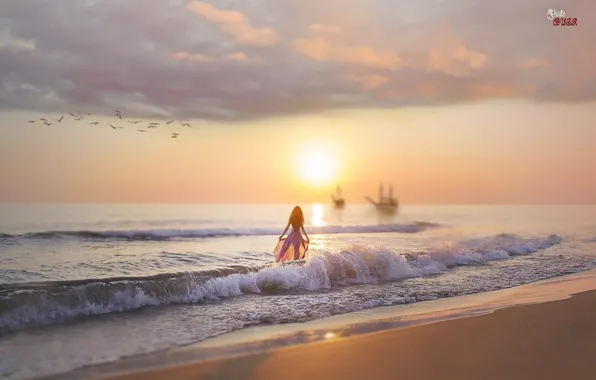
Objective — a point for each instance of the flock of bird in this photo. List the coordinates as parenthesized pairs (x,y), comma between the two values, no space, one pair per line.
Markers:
(79,116)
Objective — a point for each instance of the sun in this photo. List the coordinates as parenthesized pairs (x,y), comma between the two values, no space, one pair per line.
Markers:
(318,165)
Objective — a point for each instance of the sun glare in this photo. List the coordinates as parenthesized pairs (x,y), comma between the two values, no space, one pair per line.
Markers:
(318,215)
(318,166)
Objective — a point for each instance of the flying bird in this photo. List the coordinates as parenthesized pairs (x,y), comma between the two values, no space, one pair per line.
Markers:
(59,120)
(72,114)
(44,119)
(135,122)
(175,135)
(79,118)
(94,122)
(89,114)
(186,125)
(141,130)
(113,127)
(154,123)
(48,124)
(152,126)
(169,122)
(119,116)
(32,121)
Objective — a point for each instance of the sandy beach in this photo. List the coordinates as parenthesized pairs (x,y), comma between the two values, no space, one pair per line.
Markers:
(552,340)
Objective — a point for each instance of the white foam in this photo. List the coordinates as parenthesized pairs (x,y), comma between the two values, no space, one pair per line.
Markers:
(322,270)
(163,234)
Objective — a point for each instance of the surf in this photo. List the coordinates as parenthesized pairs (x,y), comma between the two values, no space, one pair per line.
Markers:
(45,303)
(171,234)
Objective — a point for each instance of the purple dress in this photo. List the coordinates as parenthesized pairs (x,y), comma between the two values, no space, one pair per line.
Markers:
(293,247)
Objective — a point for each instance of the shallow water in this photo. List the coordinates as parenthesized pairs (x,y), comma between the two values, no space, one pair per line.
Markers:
(89,284)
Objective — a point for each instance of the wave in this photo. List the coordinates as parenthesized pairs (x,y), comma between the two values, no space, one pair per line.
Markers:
(44,303)
(169,234)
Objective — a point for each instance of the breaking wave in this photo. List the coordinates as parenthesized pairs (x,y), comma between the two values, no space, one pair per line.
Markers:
(44,303)
(169,234)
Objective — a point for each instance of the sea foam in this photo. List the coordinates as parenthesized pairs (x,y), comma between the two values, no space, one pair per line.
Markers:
(36,304)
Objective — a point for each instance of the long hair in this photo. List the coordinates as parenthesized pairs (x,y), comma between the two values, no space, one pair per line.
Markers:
(296,218)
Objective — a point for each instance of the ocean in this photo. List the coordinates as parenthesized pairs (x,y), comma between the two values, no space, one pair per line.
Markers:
(89,284)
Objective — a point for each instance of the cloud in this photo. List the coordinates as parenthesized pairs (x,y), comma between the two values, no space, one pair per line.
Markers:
(240,60)
(8,41)
(320,49)
(23,45)
(237,56)
(369,81)
(318,28)
(454,58)
(183,55)
(241,57)
(234,23)
(533,63)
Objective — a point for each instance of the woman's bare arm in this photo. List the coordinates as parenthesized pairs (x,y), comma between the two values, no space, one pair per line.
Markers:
(307,239)
(286,230)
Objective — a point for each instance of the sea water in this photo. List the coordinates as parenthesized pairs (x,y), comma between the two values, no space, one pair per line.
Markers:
(88,284)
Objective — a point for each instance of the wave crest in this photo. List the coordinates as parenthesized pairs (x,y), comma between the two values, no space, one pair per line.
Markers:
(23,305)
(168,234)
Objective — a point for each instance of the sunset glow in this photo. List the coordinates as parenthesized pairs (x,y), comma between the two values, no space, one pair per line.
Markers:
(318,166)
(282,101)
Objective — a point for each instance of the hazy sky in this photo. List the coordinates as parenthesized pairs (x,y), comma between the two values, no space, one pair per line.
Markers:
(451,101)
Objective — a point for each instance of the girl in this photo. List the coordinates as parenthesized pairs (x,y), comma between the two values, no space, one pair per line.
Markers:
(294,247)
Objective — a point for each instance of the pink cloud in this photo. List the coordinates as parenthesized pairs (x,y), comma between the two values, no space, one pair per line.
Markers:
(533,63)
(369,82)
(493,91)
(370,54)
(183,55)
(238,56)
(319,28)
(452,57)
(320,49)
(234,23)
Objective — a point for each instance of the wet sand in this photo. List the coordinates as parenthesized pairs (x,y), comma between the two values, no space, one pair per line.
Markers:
(553,340)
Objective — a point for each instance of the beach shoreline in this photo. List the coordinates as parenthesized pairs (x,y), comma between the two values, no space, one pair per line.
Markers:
(348,351)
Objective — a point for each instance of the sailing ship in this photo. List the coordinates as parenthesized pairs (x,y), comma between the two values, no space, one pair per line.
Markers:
(385,203)
(337,198)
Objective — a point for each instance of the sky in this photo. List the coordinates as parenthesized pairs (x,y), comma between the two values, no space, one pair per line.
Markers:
(461,102)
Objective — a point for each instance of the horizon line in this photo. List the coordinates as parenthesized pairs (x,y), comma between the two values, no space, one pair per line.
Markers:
(231,203)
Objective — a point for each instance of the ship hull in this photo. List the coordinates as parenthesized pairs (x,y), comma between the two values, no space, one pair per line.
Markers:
(385,207)
(339,203)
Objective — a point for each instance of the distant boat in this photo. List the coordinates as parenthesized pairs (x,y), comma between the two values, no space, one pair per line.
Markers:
(387,204)
(338,200)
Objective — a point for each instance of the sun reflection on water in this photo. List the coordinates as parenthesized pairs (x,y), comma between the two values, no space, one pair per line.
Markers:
(318,242)
(318,215)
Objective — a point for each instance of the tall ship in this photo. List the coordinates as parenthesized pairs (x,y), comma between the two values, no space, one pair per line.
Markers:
(386,203)
(338,199)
